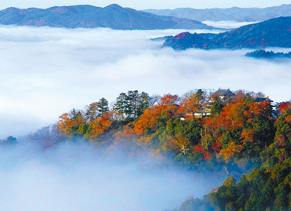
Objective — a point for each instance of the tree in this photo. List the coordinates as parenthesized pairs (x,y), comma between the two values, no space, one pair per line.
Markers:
(69,123)
(132,104)
(156,116)
(191,104)
(91,112)
(121,104)
(144,103)
(102,107)
(99,126)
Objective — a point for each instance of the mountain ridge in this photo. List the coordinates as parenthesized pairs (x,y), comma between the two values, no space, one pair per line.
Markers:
(88,16)
(227,14)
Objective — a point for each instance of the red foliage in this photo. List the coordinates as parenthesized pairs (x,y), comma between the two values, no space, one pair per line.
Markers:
(218,136)
(281,141)
(284,106)
(206,155)
(181,35)
(214,189)
(198,148)
(216,146)
(169,99)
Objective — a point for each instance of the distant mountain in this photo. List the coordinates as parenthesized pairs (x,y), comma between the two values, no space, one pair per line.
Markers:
(229,14)
(272,33)
(86,16)
(261,54)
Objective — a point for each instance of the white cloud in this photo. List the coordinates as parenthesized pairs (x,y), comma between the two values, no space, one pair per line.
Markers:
(227,24)
(48,71)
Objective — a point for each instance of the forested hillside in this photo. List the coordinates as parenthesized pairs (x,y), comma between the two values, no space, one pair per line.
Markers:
(271,33)
(267,187)
(195,128)
(226,132)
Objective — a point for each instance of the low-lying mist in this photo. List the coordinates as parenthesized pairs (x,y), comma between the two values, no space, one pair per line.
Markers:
(48,71)
(227,24)
(79,177)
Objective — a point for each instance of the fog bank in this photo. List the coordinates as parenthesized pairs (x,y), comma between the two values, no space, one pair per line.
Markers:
(48,71)
(77,177)
(227,24)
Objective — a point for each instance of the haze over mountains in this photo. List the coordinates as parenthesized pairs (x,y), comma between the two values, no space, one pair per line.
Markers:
(86,16)
(229,14)
(271,33)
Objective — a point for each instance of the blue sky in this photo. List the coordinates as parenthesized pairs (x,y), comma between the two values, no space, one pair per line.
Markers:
(146,4)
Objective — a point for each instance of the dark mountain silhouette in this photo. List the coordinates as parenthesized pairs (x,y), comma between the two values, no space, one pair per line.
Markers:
(229,14)
(86,16)
(262,54)
(272,33)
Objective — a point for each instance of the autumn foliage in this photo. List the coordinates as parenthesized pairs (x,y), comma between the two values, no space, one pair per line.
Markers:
(193,129)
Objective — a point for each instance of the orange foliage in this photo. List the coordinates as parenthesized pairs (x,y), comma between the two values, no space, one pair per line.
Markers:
(190,104)
(148,119)
(288,119)
(233,118)
(247,136)
(66,123)
(256,109)
(230,150)
(100,125)
(151,116)
(230,118)
(146,139)
(128,131)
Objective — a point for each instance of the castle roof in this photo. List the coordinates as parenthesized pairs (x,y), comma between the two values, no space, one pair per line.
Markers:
(224,92)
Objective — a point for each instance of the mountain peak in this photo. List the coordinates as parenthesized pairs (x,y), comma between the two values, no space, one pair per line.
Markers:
(113,6)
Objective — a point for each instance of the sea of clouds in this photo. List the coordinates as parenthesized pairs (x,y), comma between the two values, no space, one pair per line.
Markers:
(48,71)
